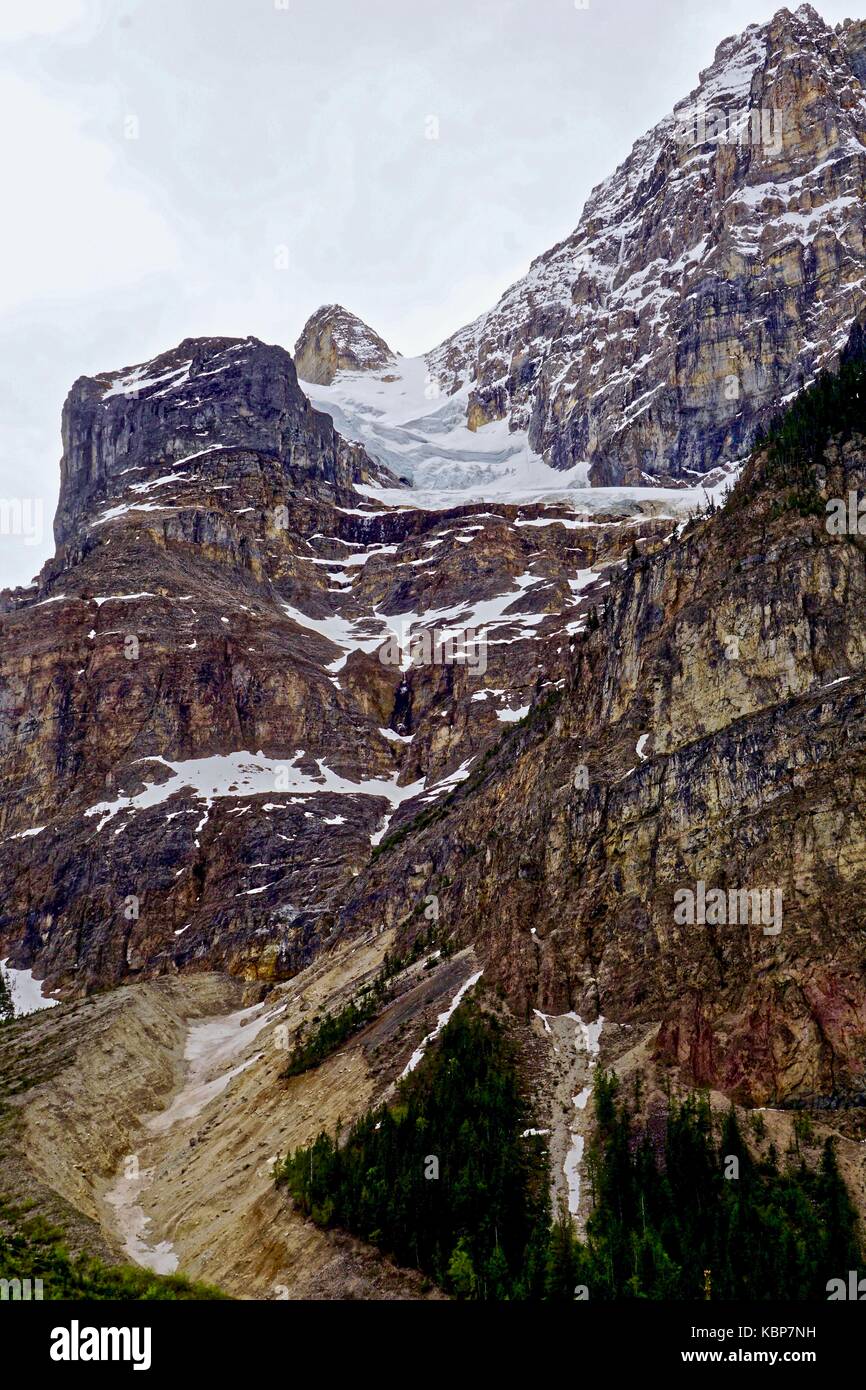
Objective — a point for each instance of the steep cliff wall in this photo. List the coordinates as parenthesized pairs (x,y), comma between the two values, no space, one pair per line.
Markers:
(710,732)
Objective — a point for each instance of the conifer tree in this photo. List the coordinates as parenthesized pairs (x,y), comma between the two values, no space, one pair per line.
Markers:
(7,1008)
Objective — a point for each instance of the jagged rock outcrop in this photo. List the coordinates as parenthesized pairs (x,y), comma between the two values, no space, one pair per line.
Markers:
(127,433)
(708,278)
(334,340)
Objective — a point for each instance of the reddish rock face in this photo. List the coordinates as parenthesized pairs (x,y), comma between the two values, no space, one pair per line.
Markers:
(227,741)
(229,735)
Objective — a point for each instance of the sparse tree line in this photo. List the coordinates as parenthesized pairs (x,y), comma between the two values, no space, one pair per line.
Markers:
(834,406)
(331,1031)
(7,1007)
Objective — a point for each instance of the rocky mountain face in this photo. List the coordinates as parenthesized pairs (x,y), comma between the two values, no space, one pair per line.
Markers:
(125,433)
(238,673)
(258,721)
(661,707)
(334,340)
(271,714)
(247,715)
(710,276)
(709,732)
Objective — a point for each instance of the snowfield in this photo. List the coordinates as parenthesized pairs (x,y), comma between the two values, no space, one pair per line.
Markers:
(406,421)
(26,992)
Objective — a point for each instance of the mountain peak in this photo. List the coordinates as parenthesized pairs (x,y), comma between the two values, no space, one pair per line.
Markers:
(710,276)
(335,340)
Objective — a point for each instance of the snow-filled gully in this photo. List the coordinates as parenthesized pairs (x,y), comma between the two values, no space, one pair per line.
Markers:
(217,1050)
(575,1046)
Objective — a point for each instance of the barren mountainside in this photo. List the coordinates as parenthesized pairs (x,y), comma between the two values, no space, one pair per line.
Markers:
(215,702)
(708,731)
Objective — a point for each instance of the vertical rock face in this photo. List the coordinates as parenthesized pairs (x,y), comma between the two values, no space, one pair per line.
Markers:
(710,733)
(708,278)
(334,340)
(121,431)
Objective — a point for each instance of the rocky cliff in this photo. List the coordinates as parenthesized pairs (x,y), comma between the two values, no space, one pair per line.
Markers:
(248,712)
(238,674)
(709,732)
(229,739)
(126,434)
(708,278)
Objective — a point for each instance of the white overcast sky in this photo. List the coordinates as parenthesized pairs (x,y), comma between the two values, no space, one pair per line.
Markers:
(297,124)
